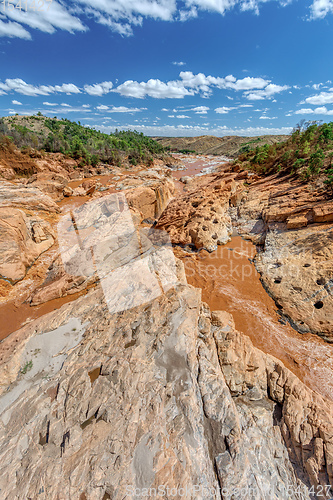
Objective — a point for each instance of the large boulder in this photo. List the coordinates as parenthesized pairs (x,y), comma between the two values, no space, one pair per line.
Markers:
(22,240)
(199,218)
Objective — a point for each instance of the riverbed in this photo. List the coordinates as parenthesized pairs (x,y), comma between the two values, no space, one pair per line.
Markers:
(229,281)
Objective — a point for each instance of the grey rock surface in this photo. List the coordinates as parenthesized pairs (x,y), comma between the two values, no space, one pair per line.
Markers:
(166,395)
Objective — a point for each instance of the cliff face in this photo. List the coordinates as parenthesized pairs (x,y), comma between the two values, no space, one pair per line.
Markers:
(293,223)
(166,394)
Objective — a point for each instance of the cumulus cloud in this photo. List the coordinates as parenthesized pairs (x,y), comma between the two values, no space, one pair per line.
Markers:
(68,88)
(153,88)
(191,84)
(18,103)
(322,98)
(21,87)
(180,63)
(201,110)
(320,8)
(266,93)
(317,111)
(188,84)
(98,88)
(223,110)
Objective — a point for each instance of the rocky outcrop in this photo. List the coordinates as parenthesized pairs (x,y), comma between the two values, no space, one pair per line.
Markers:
(297,269)
(58,283)
(162,395)
(200,218)
(49,182)
(296,259)
(151,200)
(26,197)
(303,417)
(148,191)
(22,240)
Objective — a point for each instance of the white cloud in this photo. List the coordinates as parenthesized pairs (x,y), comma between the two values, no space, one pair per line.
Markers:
(185,15)
(180,63)
(182,116)
(102,107)
(223,110)
(266,93)
(14,30)
(48,19)
(188,84)
(322,98)
(264,117)
(153,88)
(98,88)
(317,111)
(201,110)
(320,8)
(124,109)
(21,87)
(49,103)
(121,16)
(18,103)
(68,88)
(191,84)
(67,109)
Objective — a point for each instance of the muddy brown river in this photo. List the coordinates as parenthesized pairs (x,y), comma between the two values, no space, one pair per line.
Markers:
(229,281)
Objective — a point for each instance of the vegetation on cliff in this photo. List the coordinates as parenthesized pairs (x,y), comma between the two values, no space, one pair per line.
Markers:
(74,140)
(307,153)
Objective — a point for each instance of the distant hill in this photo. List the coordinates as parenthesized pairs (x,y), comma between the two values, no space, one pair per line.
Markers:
(88,145)
(230,146)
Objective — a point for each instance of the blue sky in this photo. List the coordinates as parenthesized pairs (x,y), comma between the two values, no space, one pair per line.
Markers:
(169,67)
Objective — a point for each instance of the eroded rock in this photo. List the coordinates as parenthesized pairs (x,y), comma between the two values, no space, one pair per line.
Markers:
(199,218)
(22,240)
